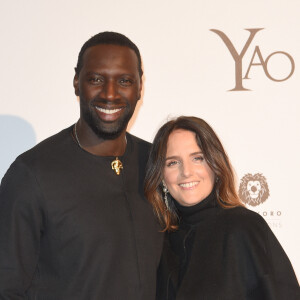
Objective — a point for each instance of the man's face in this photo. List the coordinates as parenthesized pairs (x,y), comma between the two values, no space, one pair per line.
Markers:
(109,87)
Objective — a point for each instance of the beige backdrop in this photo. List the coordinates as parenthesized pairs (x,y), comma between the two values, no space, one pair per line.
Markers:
(189,69)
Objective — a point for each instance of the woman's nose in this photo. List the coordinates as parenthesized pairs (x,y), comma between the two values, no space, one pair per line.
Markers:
(186,169)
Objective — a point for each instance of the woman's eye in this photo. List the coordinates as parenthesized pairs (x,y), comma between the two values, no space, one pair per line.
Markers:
(172,163)
(199,158)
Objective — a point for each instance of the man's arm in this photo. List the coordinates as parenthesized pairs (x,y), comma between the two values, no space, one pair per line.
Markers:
(21,226)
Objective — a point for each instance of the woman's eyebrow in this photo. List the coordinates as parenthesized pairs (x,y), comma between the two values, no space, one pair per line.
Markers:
(195,153)
(177,157)
(172,157)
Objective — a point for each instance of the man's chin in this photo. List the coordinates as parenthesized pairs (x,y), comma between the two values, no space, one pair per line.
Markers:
(107,130)
(108,134)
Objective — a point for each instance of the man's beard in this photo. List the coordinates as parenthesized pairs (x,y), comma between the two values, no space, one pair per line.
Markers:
(105,130)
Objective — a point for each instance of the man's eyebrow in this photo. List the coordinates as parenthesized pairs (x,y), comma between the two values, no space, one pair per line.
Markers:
(92,73)
(98,73)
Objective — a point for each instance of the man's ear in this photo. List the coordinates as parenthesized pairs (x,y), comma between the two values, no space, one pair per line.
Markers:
(140,89)
(76,84)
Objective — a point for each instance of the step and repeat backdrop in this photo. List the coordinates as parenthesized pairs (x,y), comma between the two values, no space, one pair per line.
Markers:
(233,63)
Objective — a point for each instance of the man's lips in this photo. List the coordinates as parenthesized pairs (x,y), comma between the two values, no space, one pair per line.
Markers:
(108,111)
(109,114)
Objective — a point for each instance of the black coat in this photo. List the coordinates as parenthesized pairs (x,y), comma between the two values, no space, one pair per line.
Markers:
(225,254)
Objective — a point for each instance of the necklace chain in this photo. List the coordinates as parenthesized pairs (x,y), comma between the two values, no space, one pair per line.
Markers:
(77,139)
(76,136)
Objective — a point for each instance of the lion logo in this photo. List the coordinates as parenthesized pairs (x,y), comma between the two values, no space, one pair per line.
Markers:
(254,189)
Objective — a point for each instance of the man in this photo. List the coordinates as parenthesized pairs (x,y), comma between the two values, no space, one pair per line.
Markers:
(74,223)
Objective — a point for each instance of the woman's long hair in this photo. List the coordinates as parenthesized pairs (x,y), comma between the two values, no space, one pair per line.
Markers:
(214,155)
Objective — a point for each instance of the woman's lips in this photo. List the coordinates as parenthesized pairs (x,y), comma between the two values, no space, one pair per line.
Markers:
(189,185)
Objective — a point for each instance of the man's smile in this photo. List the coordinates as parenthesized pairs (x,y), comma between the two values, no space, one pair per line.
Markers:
(108,111)
(109,114)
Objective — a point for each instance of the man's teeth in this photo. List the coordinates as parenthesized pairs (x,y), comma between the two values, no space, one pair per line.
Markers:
(108,111)
(188,184)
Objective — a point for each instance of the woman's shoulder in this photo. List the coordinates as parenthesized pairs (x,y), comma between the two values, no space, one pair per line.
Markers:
(242,220)
(240,213)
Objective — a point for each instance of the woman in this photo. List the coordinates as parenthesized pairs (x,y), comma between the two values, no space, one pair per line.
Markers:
(215,248)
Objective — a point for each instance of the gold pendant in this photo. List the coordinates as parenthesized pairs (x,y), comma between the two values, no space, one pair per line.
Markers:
(117,166)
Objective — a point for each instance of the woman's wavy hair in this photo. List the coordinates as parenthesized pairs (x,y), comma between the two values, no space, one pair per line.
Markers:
(214,155)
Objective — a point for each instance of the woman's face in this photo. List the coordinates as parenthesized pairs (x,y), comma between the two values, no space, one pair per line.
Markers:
(186,173)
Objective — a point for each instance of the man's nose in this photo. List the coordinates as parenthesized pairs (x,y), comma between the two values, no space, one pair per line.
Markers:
(110,90)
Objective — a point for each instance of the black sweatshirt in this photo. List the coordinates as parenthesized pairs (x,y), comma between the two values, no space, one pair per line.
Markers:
(71,229)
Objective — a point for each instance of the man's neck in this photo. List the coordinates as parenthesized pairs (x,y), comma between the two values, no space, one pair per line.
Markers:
(93,144)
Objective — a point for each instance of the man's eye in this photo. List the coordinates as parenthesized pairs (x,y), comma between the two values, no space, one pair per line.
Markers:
(95,80)
(126,82)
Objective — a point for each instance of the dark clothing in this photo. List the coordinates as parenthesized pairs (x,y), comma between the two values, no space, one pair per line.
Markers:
(70,228)
(224,254)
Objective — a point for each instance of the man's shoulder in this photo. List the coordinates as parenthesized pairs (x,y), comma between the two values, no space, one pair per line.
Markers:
(48,153)
(50,146)
(138,141)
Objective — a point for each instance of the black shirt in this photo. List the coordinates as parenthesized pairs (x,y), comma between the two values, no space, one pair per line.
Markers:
(70,228)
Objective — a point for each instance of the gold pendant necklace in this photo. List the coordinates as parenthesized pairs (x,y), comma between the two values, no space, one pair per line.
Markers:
(117,165)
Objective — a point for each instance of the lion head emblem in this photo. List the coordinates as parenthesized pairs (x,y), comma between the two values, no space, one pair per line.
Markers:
(254,189)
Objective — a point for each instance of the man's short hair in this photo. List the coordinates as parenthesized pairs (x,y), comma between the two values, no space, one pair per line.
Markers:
(109,38)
